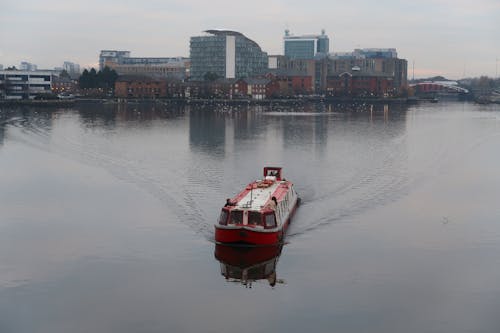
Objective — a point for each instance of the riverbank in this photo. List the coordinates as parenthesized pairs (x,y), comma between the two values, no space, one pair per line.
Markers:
(218,101)
(38,103)
(206,101)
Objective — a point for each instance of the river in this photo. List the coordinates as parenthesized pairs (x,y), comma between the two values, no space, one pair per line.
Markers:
(107,213)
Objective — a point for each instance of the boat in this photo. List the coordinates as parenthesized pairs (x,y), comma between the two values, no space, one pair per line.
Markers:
(246,265)
(261,213)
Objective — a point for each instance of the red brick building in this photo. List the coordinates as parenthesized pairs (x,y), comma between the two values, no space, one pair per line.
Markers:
(360,84)
(140,87)
(290,84)
(259,88)
(238,89)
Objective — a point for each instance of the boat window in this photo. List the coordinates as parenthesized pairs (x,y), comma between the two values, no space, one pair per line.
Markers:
(254,218)
(270,221)
(237,217)
(223,217)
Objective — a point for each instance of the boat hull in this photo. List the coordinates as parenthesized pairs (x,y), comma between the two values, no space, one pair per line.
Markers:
(248,236)
(252,236)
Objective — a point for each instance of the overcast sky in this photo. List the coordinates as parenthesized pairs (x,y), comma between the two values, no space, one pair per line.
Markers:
(441,37)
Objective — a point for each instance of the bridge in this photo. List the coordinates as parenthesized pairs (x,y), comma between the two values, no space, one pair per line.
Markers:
(448,87)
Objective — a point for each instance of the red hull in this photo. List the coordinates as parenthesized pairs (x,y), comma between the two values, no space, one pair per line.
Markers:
(249,236)
(242,235)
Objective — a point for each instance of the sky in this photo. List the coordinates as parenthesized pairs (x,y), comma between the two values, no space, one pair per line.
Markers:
(452,38)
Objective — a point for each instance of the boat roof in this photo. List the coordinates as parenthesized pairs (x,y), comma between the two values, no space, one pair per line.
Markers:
(255,196)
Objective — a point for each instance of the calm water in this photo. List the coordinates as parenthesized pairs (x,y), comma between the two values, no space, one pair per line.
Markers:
(107,212)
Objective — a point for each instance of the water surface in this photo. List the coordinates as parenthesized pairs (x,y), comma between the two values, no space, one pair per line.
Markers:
(107,212)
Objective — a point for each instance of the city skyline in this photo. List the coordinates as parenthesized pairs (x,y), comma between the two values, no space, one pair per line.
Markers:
(454,39)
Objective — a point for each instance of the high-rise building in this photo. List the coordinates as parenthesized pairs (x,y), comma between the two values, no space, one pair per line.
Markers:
(225,54)
(72,68)
(112,55)
(27,66)
(306,46)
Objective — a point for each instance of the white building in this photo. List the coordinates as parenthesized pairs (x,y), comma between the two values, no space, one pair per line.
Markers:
(112,56)
(17,84)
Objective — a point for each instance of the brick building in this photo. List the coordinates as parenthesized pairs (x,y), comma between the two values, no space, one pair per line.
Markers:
(353,83)
(291,83)
(140,87)
(260,88)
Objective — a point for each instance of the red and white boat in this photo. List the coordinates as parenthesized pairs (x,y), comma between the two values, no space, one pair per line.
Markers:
(261,213)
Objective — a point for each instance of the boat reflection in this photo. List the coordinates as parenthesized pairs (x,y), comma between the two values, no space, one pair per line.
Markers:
(246,265)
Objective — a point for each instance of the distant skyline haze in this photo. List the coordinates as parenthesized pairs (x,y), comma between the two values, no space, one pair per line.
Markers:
(454,39)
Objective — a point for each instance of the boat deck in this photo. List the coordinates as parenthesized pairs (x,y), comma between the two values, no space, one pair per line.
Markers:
(256,195)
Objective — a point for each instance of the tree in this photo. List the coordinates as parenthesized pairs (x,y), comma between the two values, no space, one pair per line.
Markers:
(107,78)
(93,81)
(104,79)
(83,80)
(64,74)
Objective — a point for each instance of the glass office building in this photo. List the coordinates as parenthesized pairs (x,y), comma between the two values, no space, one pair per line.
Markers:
(225,54)
(306,46)
(377,53)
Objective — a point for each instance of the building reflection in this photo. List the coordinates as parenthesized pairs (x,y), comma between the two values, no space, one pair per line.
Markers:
(246,265)
(3,125)
(92,115)
(308,126)
(207,129)
(147,113)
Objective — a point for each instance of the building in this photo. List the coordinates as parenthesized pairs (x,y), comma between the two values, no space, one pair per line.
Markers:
(140,87)
(289,83)
(124,64)
(27,66)
(306,46)
(316,69)
(260,89)
(72,69)
(238,89)
(113,56)
(17,84)
(371,62)
(376,53)
(355,83)
(225,54)
(177,68)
